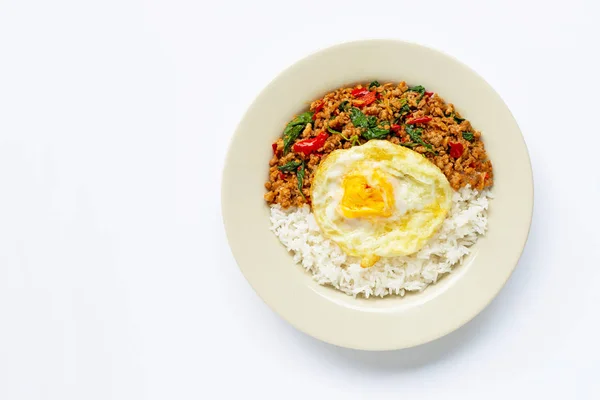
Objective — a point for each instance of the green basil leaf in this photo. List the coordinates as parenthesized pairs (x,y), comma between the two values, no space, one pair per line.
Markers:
(290,166)
(374,84)
(294,128)
(300,176)
(419,89)
(404,107)
(344,105)
(468,136)
(302,119)
(375,133)
(371,121)
(415,136)
(290,135)
(410,144)
(358,118)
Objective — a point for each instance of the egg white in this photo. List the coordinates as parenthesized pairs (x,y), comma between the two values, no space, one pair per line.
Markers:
(422,199)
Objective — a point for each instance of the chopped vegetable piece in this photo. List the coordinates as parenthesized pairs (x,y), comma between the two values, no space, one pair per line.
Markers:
(354,140)
(468,136)
(456,149)
(300,176)
(404,107)
(395,128)
(331,130)
(428,94)
(371,121)
(274,147)
(290,135)
(357,92)
(457,119)
(409,144)
(344,105)
(290,166)
(281,175)
(311,145)
(372,131)
(419,89)
(420,120)
(358,118)
(367,99)
(318,108)
(374,84)
(294,128)
(375,133)
(415,135)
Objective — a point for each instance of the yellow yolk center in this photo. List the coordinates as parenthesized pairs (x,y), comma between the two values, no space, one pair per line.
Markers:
(362,199)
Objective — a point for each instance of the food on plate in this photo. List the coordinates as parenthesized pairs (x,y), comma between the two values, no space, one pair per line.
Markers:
(379,189)
(379,200)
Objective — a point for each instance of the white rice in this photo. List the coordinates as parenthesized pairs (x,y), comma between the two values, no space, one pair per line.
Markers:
(297,229)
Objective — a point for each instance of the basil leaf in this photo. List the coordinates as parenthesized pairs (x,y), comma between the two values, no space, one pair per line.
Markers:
(468,136)
(457,119)
(372,131)
(404,107)
(343,105)
(290,135)
(300,176)
(290,166)
(375,133)
(358,118)
(374,84)
(410,144)
(294,128)
(302,119)
(415,135)
(372,121)
(419,89)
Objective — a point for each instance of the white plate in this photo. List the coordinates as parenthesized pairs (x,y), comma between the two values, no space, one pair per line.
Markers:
(391,322)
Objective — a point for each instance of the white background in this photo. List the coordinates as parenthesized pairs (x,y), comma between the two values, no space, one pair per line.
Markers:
(116,281)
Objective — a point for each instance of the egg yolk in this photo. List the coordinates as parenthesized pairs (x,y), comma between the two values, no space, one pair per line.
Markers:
(361,199)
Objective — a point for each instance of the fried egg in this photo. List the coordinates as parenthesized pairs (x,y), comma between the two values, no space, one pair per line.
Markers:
(379,200)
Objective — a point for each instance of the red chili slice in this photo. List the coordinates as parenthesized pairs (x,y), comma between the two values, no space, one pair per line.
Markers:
(428,94)
(456,149)
(395,128)
(274,147)
(368,98)
(420,120)
(311,145)
(318,108)
(359,92)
